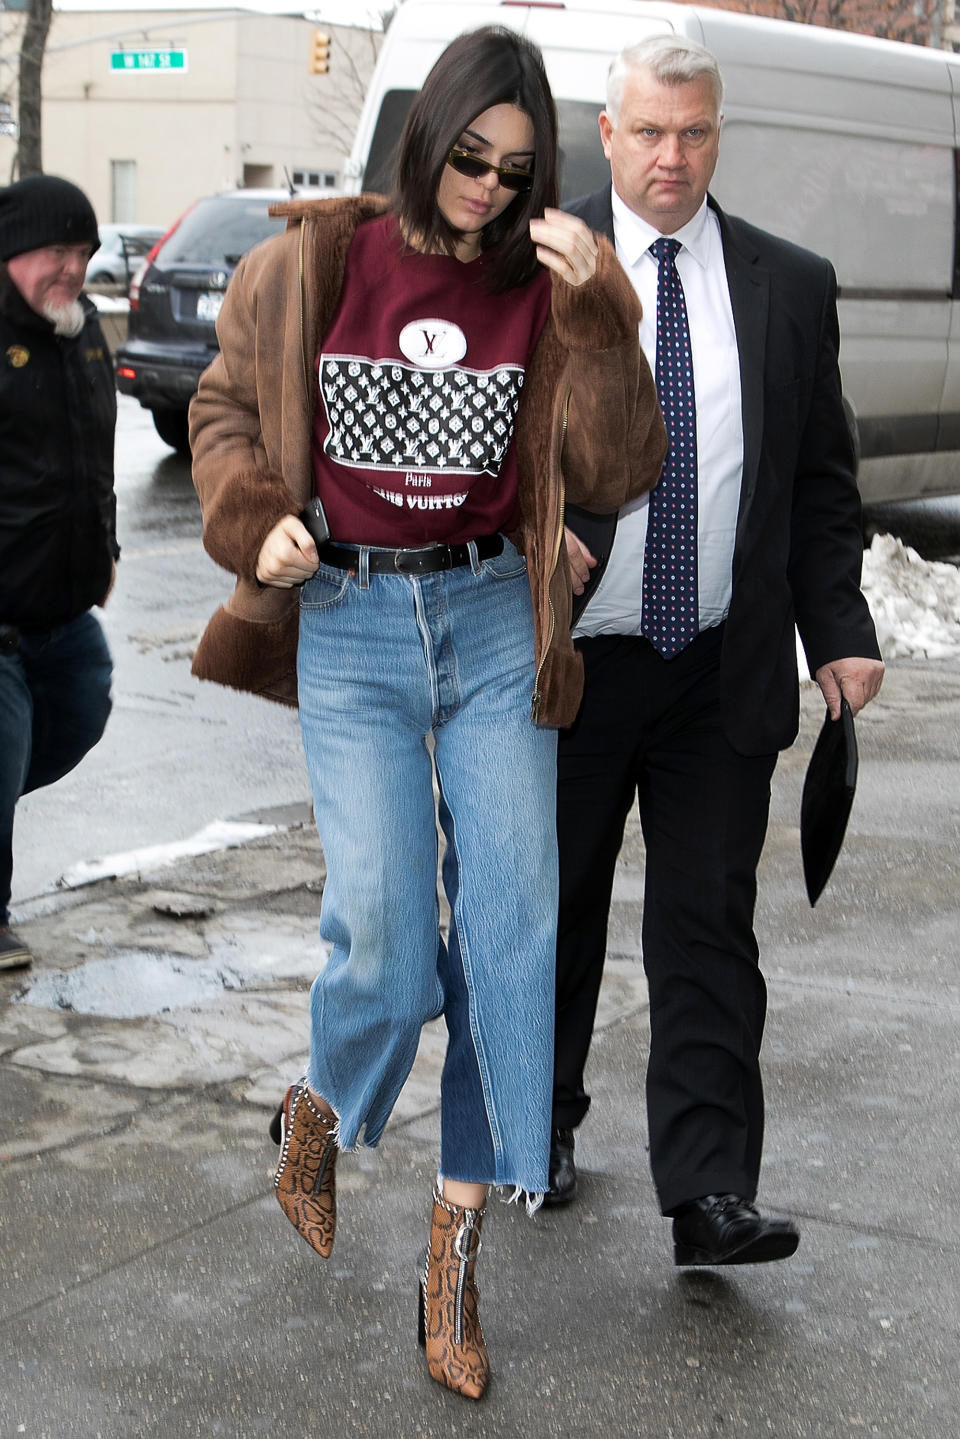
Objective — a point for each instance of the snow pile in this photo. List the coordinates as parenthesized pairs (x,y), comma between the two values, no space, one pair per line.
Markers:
(915,603)
(221,834)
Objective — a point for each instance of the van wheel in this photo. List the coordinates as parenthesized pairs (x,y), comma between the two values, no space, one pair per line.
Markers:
(171,426)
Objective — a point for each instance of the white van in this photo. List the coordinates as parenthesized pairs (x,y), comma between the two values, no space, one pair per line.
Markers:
(843,143)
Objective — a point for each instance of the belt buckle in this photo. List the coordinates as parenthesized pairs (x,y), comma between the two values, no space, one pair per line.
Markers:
(416,555)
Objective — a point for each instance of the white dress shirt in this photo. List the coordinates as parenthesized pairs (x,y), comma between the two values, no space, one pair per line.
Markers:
(616,605)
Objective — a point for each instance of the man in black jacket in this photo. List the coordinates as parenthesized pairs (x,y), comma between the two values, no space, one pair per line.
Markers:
(57,506)
(687,638)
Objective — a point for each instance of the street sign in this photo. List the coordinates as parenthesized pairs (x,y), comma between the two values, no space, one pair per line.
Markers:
(152,61)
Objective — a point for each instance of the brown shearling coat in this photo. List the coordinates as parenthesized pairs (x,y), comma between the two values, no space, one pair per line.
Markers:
(588,397)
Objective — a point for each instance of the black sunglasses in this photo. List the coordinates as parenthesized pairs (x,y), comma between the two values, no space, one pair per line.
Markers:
(511,177)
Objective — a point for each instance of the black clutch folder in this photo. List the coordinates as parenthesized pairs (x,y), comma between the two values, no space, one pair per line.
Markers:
(828,791)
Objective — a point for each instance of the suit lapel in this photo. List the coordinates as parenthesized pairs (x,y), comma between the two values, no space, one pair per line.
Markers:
(596,210)
(749,285)
(604,213)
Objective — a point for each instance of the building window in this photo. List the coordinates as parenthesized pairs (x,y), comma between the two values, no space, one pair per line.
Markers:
(315,179)
(123,191)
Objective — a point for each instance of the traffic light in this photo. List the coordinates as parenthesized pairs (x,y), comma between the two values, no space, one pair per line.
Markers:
(319,52)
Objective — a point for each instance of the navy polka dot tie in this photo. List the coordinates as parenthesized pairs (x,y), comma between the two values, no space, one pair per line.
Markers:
(669,618)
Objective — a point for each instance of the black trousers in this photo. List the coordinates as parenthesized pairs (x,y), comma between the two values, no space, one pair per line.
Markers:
(651,728)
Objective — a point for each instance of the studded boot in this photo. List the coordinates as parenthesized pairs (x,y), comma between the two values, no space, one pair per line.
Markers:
(449,1328)
(306,1175)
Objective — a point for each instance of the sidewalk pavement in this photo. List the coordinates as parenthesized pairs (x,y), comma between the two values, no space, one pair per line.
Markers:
(151,1287)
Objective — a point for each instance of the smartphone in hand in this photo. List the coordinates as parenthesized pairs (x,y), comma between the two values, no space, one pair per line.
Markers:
(313,519)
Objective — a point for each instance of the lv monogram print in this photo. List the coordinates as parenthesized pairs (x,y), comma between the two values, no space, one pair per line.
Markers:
(449,1319)
(395,417)
(306,1176)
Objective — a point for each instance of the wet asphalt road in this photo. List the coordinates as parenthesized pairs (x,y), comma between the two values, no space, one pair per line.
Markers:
(151,1288)
(177,754)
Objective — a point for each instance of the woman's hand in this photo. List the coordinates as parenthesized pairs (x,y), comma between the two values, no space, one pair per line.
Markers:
(566,245)
(287,556)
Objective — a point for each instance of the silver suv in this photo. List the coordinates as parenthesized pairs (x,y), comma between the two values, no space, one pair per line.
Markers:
(122,248)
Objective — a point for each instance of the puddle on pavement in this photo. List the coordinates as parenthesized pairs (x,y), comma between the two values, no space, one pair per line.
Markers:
(130,985)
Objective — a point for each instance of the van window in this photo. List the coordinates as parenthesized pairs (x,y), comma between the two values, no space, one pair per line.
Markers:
(378,175)
(813,180)
(582,164)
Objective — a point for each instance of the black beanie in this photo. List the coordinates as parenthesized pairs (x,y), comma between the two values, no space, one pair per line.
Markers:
(44,210)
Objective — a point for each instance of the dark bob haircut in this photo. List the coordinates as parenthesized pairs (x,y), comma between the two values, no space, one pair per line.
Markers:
(483,68)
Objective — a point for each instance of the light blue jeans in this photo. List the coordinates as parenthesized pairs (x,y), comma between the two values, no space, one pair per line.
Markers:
(384,661)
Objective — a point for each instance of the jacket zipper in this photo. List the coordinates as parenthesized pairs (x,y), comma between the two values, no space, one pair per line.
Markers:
(537,696)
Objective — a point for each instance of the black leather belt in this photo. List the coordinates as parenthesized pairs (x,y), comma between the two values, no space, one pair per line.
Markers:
(425,561)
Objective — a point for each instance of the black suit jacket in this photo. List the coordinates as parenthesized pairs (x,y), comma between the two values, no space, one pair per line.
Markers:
(799,546)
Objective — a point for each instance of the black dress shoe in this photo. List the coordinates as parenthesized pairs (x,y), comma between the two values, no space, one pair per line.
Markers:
(563,1171)
(725,1229)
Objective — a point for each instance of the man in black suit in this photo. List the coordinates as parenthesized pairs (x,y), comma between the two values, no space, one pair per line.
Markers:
(689,602)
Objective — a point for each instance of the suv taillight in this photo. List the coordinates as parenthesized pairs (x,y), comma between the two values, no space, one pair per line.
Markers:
(148,259)
(137,280)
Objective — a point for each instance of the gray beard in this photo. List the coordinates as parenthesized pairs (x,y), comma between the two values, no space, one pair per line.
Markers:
(67,320)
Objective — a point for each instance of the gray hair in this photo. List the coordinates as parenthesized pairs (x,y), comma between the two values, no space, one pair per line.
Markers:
(671,59)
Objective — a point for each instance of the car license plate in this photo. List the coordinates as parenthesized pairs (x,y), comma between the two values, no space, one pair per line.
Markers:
(208,304)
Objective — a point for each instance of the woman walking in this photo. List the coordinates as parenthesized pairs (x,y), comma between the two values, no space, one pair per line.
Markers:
(436,370)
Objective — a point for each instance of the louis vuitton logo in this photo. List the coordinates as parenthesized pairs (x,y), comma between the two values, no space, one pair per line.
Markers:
(432,342)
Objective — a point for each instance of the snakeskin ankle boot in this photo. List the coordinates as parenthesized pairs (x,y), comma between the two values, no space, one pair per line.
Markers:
(306,1175)
(449,1327)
